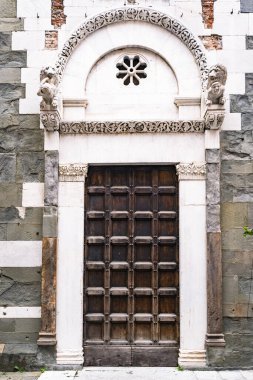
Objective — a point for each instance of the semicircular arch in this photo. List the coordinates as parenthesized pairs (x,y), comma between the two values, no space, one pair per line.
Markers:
(134,14)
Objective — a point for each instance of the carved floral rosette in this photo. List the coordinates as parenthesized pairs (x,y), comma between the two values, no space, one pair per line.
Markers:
(191,171)
(134,14)
(124,127)
(73,172)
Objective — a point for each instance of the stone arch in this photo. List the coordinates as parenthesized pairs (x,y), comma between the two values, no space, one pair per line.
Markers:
(134,14)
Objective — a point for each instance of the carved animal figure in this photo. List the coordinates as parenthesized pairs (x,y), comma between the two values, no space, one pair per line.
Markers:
(217,78)
(48,88)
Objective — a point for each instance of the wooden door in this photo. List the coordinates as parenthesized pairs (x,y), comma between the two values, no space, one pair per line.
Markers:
(131,314)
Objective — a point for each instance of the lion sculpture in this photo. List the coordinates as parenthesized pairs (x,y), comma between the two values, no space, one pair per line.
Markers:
(217,78)
(48,88)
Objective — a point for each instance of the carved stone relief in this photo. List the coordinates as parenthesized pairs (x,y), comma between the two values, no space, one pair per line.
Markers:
(214,79)
(73,172)
(217,77)
(48,90)
(134,14)
(191,170)
(214,111)
(214,118)
(124,127)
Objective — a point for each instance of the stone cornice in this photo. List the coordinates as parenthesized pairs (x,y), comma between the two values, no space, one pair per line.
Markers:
(127,127)
(187,101)
(73,172)
(133,14)
(191,171)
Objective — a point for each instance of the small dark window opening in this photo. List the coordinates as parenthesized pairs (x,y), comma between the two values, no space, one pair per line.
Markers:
(131,70)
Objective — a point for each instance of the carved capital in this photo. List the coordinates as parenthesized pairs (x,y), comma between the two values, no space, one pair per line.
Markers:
(214,117)
(191,171)
(50,120)
(73,172)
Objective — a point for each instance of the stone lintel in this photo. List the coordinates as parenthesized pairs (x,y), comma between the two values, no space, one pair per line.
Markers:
(47,334)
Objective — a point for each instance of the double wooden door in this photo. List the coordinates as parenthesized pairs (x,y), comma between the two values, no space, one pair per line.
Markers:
(131,314)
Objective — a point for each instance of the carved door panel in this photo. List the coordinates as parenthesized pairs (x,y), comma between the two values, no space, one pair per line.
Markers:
(131,266)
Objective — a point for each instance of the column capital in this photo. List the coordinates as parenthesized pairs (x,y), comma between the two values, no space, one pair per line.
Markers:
(73,172)
(191,171)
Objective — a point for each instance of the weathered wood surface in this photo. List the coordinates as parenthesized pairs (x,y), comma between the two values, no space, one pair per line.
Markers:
(47,335)
(131,265)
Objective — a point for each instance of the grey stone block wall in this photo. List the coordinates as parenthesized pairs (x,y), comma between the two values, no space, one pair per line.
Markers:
(21,160)
(237,251)
(246,6)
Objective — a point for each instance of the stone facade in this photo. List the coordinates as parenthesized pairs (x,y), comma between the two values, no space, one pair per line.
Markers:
(21,161)
(236,211)
(29,160)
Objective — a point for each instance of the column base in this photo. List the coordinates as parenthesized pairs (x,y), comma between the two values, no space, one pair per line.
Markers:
(191,358)
(215,340)
(69,357)
(46,339)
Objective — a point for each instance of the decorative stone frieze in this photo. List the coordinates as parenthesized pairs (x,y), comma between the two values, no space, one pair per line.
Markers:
(124,127)
(191,171)
(134,14)
(73,172)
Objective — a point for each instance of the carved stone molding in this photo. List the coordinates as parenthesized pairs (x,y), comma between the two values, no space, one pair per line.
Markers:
(187,101)
(191,171)
(124,127)
(191,358)
(214,118)
(73,172)
(50,120)
(83,103)
(134,14)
